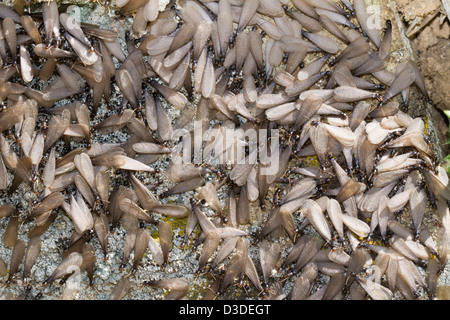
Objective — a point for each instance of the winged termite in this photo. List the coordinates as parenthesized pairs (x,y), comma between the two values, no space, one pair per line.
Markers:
(225,21)
(209,193)
(151,10)
(305,6)
(184,186)
(42,51)
(85,167)
(417,202)
(67,266)
(140,247)
(209,228)
(331,25)
(375,290)
(115,122)
(56,127)
(120,289)
(125,83)
(402,248)
(357,226)
(236,265)
(80,215)
(89,260)
(30,28)
(413,136)
(397,162)
(433,266)
(31,255)
(296,250)
(50,202)
(269,254)
(252,273)
(76,242)
(181,73)
(101,229)
(171,210)
(343,135)
(156,251)
(23,173)
(6,11)
(68,76)
(165,237)
(334,287)
(312,68)
(174,58)
(11,232)
(87,57)
(410,275)
(139,23)
(335,214)
(317,218)
(25,64)
(17,255)
(210,245)
(150,148)
(6,210)
(131,208)
(9,32)
(350,189)
(364,21)
(302,285)
(177,287)
(326,44)
(248,10)
(127,163)
(10,117)
(131,227)
(275,55)
(10,158)
(72,26)
(208,83)
(310,248)
(145,196)
(404,78)
(164,127)
(300,86)
(319,140)
(381,217)
(51,21)
(280,111)
(309,23)
(398,201)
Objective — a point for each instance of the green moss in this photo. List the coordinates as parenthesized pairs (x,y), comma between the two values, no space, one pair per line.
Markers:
(180,225)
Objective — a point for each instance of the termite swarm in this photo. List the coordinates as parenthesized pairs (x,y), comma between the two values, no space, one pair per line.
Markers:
(89,132)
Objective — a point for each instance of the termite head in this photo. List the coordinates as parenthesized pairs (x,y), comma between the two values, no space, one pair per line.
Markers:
(388,23)
(38,296)
(232,40)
